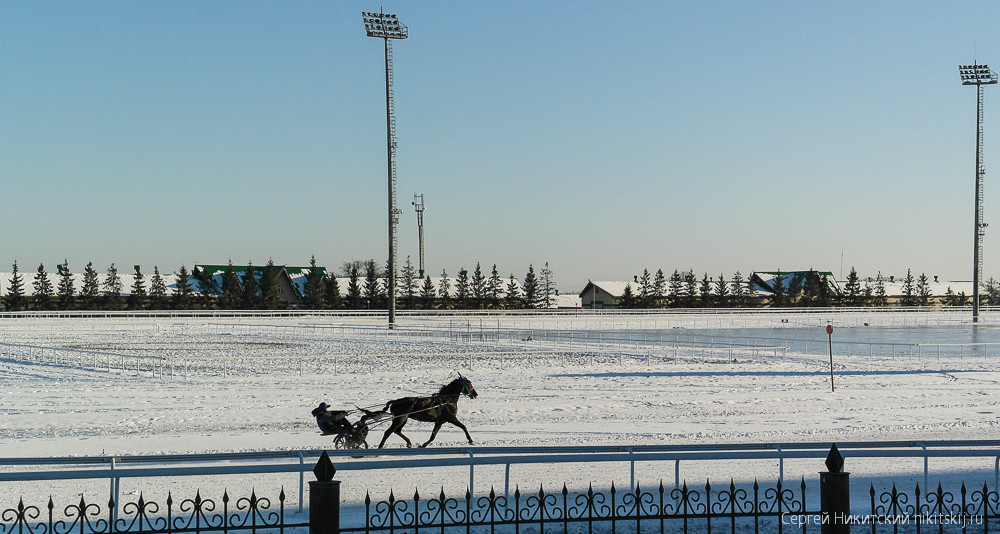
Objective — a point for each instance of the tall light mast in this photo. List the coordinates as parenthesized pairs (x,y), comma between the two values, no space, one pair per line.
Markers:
(387,26)
(418,204)
(978,75)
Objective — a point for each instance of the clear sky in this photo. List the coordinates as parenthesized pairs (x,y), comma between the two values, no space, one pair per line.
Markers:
(601,137)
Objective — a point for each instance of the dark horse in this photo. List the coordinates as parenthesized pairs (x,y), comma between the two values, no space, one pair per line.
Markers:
(440,408)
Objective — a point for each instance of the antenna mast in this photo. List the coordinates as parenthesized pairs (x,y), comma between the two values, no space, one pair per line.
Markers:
(418,204)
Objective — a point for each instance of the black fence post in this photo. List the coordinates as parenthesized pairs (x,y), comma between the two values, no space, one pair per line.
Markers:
(324,499)
(835,495)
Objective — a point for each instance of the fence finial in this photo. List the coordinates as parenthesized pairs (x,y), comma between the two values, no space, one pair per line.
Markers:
(324,469)
(834,460)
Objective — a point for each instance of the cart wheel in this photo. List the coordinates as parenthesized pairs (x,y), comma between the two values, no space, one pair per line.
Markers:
(338,442)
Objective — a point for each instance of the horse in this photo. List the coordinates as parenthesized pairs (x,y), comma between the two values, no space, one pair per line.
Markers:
(440,408)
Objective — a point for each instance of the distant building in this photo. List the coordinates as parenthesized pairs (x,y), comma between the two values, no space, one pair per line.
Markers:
(604,294)
(291,280)
(765,283)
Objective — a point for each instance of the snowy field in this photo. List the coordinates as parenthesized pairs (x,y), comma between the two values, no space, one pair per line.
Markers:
(134,386)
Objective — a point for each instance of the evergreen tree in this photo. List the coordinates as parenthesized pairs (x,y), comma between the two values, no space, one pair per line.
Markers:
(740,293)
(427,294)
(184,294)
(722,292)
(462,290)
(66,288)
(950,298)
(923,290)
(15,293)
(867,293)
(628,299)
(137,296)
(43,289)
(689,294)
(659,288)
(530,289)
(91,288)
(157,290)
(909,290)
(113,288)
(493,288)
(354,288)
(333,299)
(269,299)
(372,291)
(794,290)
(313,289)
(231,292)
(645,299)
(250,298)
(547,287)
(478,287)
(444,291)
(879,298)
(512,299)
(852,289)
(705,291)
(408,284)
(207,287)
(778,299)
(675,290)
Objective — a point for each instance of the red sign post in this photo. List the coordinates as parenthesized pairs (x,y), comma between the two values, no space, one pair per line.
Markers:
(829,333)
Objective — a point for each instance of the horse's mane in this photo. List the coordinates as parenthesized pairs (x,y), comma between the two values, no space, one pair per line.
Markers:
(449,388)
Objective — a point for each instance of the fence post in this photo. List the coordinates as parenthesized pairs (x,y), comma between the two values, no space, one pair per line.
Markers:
(324,498)
(835,495)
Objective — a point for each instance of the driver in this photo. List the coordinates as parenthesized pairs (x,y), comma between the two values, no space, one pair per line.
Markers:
(331,421)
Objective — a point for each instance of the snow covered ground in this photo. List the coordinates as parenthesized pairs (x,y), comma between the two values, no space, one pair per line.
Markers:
(223,384)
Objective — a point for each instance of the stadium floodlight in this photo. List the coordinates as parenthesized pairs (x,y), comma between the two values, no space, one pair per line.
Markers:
(387,27)
(978,75)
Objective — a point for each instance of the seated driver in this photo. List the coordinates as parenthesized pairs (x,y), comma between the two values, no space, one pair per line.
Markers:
(331,421)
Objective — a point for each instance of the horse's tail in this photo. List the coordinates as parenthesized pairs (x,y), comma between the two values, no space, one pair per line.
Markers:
(386,408)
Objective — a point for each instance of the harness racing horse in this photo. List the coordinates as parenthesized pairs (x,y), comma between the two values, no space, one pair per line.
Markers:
(439,409)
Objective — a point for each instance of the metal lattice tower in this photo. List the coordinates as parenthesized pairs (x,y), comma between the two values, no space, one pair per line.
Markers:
(418,204)
(978,75)
(387,27)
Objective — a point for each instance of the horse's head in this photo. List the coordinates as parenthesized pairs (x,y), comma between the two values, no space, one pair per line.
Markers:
(467,388)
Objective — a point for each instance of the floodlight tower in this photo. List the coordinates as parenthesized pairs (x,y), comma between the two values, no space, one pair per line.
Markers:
(978,75)
(387,26)
(418,204)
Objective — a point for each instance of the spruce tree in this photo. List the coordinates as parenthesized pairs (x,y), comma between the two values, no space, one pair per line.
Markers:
(408,284)
(333,299)
(705,291)
(924,290)
(462,290)
(66,288)
(354,289)
(231,291)
(879,297)
(529,289)
(689,295)
(778,291)
(512,299)
(444,291)
(793,291)
(157,290)
(91,287)
(478,288)
(722,299)
(43,289)
(372,289)
(15,293)
(675,289)
(427,294)
(184,294)
(493,289)
(645,299)
(207,287)
(852,289)
(269,299)
(909,290)
(547,287)
(740,294)
(113,288)
(137,295)
(250,298)
(628,299)
(313,289)
(659,288)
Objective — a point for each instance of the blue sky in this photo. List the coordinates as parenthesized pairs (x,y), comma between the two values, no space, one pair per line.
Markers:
(600,137)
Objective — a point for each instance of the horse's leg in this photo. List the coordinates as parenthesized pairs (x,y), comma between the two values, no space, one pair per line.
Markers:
(437,426)
(454,420)
(396,428)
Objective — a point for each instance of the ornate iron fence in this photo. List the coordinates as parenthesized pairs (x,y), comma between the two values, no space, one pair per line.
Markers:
(936,511)
(731,509)
(246,514)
